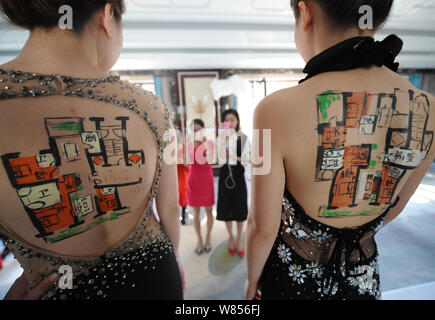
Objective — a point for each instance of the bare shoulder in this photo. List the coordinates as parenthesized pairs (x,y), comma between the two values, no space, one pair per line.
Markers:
(431,100)
(141,96)
(402,83)
(431,120)
(428,100)
(147,105)
(280,109)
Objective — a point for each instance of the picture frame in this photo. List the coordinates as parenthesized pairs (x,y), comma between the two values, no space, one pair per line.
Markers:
(196,98)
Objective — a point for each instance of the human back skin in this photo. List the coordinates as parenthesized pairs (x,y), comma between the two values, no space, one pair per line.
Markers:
(357,137)
(80,177)
(130,182)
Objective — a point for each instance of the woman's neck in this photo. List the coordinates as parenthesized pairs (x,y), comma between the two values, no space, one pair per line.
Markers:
(328,39)
(58,52)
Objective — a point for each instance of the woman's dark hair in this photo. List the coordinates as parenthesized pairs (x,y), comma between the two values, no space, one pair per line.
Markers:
(30,14)
(234,113)
(199,122)
(345,13)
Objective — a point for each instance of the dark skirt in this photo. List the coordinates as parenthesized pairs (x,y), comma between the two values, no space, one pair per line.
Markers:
(145,274)
(233,195)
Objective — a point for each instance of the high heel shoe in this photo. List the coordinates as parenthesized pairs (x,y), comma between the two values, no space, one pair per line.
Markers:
(207,249)
(241,253)
(232,251)
(199,251)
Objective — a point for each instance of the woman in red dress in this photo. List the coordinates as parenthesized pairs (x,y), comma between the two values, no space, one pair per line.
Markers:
(200,185)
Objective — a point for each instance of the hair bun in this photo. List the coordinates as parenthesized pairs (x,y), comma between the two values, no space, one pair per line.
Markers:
(346,13)
(45,13)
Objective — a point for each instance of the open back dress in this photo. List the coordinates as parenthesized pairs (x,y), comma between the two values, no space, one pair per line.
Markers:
(88,174)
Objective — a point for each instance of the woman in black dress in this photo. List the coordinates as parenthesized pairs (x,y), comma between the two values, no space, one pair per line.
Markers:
(233,196)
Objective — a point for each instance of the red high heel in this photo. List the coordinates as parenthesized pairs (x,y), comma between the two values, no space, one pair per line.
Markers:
(241,253)
(232,251)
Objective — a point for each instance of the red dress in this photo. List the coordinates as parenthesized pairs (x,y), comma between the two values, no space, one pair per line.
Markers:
(200,183)
(183,174)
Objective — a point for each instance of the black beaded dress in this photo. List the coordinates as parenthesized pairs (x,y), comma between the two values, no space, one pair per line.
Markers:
(143,264)
(310,260)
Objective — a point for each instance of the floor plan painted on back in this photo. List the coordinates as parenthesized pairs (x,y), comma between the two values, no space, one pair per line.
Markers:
(59,197)
(369,172)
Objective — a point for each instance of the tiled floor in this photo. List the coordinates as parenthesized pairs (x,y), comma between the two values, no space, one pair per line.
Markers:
(407,259)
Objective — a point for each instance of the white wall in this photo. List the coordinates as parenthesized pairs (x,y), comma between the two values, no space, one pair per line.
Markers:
(207,34)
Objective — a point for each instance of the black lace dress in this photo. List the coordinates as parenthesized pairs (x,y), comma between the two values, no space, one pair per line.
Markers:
(310,260)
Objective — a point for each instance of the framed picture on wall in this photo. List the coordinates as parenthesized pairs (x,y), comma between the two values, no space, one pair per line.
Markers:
(194,93)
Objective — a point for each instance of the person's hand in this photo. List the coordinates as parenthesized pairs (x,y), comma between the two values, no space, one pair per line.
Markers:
(183,281)
(20,290)
(232,158)
(252,292)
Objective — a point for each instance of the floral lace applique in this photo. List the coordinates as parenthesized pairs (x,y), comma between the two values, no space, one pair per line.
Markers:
(295,228)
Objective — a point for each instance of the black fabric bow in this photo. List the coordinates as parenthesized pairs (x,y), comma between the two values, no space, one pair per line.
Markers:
(347,242)
(355,53)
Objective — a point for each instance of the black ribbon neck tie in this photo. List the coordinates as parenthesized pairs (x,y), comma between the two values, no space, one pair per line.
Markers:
(354,53)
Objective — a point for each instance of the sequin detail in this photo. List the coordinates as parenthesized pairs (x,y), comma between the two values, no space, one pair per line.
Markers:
(116,271)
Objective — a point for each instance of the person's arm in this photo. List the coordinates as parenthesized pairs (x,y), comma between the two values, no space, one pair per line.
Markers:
(246,152)
(166,200)
(168,209)
(409,189)
(266,198)
(167,203)
(210,149)
(20,290)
